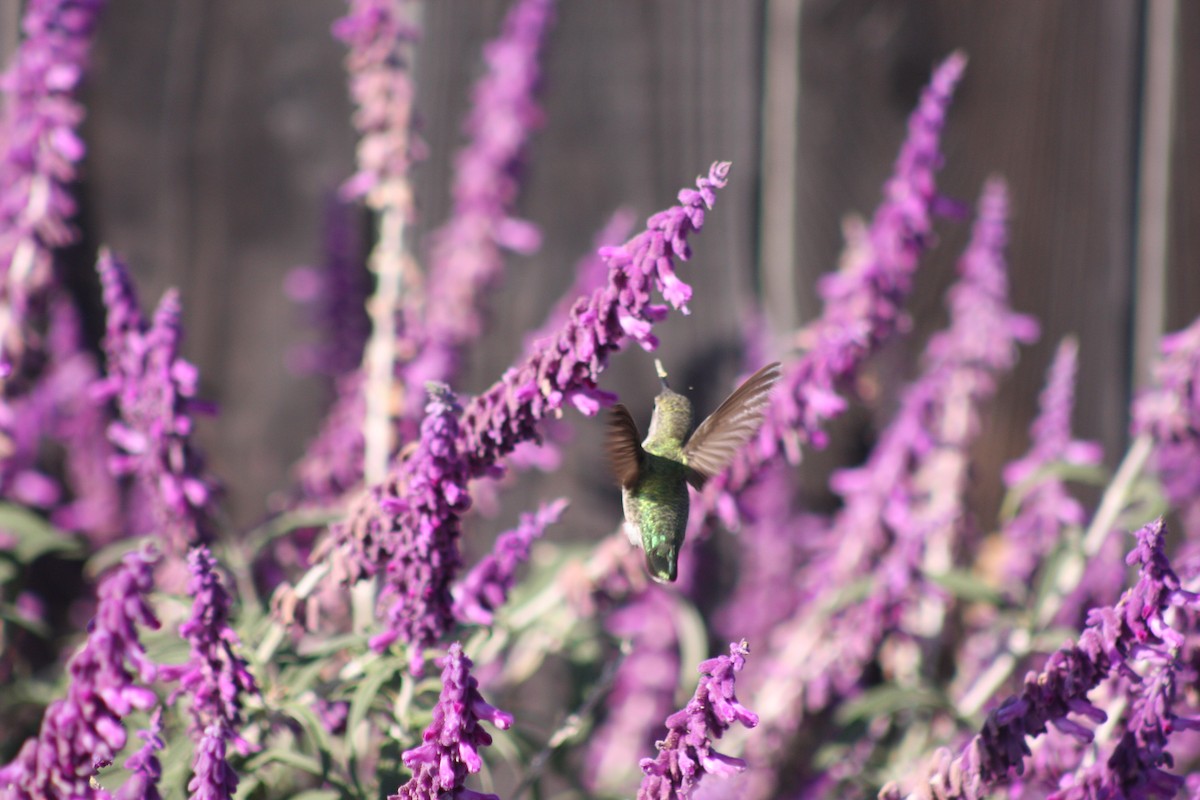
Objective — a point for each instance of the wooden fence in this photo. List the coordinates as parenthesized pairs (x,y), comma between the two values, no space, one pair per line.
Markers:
(216,126)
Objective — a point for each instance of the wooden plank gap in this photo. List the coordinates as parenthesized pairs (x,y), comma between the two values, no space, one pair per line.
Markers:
(1152,222)
(780,142)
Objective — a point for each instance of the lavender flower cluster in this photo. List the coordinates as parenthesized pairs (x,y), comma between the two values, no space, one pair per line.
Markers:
(890,634)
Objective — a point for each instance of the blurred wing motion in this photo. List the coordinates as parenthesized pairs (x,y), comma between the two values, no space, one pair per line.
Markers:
(624,452)
(718,438)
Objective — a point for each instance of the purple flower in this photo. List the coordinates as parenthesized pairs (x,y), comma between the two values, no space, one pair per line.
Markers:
(451,742)
(862,301)
(40,151)
(1134,769)
(333,295)
(83,732)
(215,678)
(410,527)
(144,764)
(80,423)
(1116,637)
(686,754)
(154,390)
(380,35)
(333,463)
(212,778)
(566,367)
(486,586)
(466,257)
(985,330)
(1046,507)
(1170,413)
(591,273)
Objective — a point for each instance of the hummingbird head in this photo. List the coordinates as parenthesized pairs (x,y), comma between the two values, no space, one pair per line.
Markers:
(662,562)
(672,418)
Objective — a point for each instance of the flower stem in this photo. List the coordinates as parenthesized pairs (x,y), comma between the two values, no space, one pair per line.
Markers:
(1069,572)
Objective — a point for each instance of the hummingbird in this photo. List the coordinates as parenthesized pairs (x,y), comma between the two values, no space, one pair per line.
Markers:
(654,475)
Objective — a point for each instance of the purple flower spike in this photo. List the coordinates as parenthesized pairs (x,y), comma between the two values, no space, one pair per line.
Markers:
(40,149)
(333,297)
(213,778)
(380,35)
(1134,769)
(215,678)
(686,755)
(467,253)
(453,738)
(486,586)
(863,300)
(986,330)
(83,732)
(155,393)
(1046,506)
(333,463)
(591,273)
(566,367)
(1170,413)
(411,524)
(1115,638)
(144,764)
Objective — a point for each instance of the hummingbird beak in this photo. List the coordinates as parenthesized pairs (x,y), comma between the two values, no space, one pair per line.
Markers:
(662,373)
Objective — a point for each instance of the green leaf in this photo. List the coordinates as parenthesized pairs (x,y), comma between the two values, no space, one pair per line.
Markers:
(1076,473)
(287,756)
(287,522)
(377,674)
(313,727)
(318,794)
(849,593)
(37,627)
(35,536)
(693,647)
(353,642)
(968,586)
(110,556)
(887,700)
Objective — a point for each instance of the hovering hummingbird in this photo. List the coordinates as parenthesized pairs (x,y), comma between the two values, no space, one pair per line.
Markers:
(654,475)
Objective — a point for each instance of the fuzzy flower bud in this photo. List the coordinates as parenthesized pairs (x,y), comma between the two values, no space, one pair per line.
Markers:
(83,732)
(154,390)
(453,739)
(40,149)
(686,755)
(1170,413)
(215,678)
(1046,507)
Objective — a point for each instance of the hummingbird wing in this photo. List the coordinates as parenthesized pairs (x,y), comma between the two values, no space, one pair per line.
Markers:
(625,454)
(718,438)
